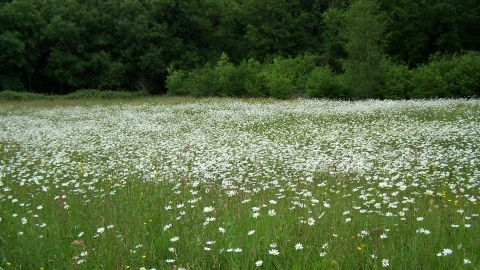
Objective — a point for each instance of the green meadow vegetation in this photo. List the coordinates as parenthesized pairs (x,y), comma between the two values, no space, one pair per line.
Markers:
(182,183)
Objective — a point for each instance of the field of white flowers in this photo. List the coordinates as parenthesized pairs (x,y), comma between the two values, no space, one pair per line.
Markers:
(232,184)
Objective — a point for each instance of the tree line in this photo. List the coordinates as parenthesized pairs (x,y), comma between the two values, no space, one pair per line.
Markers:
(244,48)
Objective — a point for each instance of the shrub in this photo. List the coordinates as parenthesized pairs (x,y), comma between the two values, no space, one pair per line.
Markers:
(279,86)
(223,79)
(253,80)
(97,94)
(461,73)
(175,82)
(202,82)
(244,80)
(397,82)
(287,77)
(229,81)
(8,95)
(428,82)
(323,83)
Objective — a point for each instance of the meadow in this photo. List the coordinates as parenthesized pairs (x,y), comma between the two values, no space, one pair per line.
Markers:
(240,184)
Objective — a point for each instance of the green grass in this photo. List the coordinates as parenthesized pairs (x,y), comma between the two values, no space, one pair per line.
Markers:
(123,201)
(80,94)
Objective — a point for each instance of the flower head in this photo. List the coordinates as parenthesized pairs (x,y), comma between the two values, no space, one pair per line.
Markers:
(311,221)
(208,209)
(274,252)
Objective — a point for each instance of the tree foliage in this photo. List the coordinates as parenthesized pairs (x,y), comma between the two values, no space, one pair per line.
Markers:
(242,48)
(363,34)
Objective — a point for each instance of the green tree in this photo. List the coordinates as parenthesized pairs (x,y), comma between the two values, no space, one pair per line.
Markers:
(199,31)
(333,49)
(363,32)
(20,28)
(416,29)
(66,61)
(280,28)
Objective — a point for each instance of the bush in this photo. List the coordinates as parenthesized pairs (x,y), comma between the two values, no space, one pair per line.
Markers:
(202,82)
(198,82)
(279,86)
(223,79)
(175,82)
(428,82)
(8,95)
(229,82)
(97,94)
(253,80)
(288,77)
(397,82)
(244,80)
(323,83)
(461,73)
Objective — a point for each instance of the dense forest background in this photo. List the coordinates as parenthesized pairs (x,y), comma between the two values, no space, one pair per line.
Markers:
(243,48)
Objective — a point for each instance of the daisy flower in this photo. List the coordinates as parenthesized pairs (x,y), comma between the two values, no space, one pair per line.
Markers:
(311,221)
(298,246)
(447,251)
(385,263)
(208,209)
(274,252)
(258,263)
